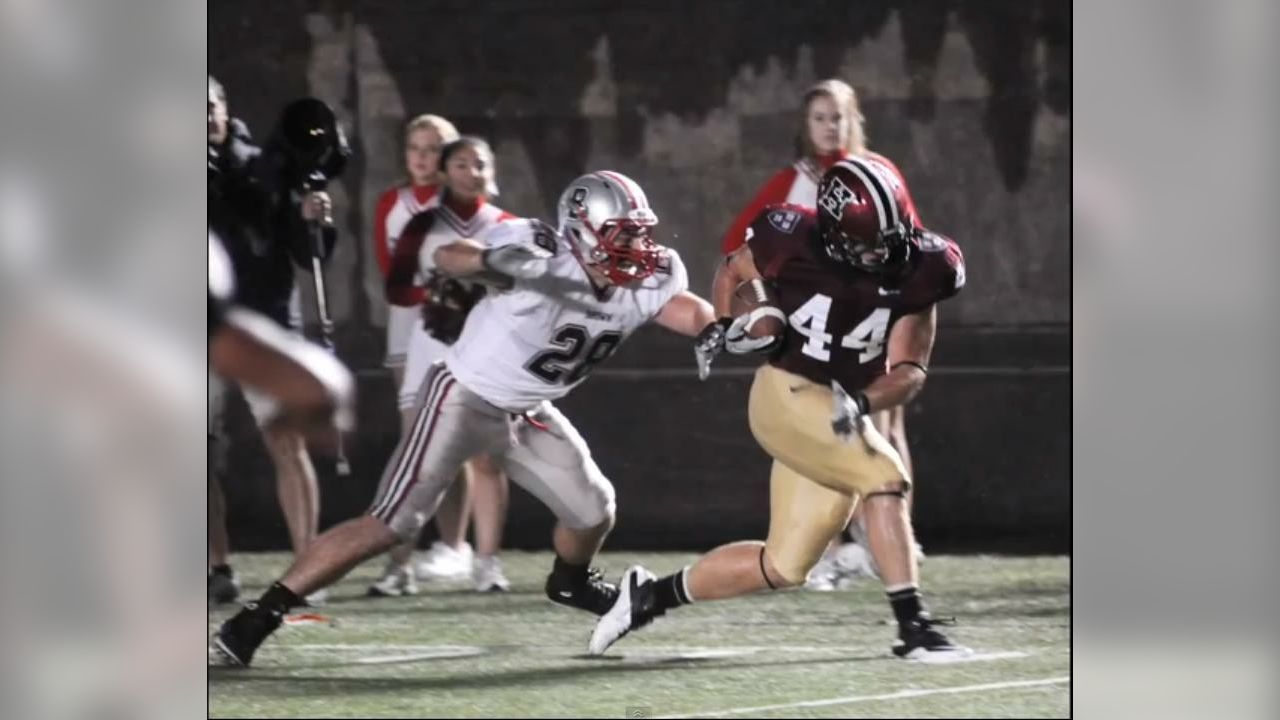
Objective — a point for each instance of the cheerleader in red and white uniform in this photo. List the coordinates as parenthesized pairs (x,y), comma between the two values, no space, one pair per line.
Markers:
(459,210)
(424,137)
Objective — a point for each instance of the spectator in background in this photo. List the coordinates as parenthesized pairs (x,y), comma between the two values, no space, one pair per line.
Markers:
(261,224)
(830,129)
(459,210)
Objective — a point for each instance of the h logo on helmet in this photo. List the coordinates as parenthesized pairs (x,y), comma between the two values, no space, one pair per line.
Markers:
(835,197)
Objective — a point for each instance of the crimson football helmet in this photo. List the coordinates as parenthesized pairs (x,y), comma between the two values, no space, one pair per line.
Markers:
(608,222)
(862,216)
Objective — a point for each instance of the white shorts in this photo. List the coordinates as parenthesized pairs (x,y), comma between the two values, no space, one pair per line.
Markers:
(423,351)
(400,324)
(540,451)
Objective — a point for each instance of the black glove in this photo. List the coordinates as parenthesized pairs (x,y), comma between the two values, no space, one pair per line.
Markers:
(449,301)
(848,412)
(709,343)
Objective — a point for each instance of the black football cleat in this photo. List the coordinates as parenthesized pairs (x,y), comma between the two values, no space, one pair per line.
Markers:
(238,638)
(919,640)
(594,594)
(224,587)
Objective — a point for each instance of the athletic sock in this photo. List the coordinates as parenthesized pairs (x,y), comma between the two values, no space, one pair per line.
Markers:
(279,599)
(569,572)
(672,591)
(906,603)
(220,570)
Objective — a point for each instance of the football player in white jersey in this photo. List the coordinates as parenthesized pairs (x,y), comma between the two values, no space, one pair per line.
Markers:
(563,300)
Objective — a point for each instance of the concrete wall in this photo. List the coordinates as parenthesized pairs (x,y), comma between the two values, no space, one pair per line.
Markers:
(697,101)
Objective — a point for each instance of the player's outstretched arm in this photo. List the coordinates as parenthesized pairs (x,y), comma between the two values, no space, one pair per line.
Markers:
(470,259)
(686,314)
(910,347)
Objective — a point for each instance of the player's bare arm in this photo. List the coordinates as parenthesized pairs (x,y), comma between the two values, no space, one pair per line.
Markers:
(312,387)
(910,346)
(686,314)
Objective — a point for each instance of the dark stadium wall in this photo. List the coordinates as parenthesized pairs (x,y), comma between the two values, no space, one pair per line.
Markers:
(697,101)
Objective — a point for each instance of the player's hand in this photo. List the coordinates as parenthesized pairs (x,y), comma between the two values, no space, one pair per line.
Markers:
(738,342)
(708,344)
(317,206)
(848,412)
(517,261)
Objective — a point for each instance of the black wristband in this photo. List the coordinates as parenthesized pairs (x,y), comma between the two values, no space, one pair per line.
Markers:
(864,405)
(484,260)
(923,369)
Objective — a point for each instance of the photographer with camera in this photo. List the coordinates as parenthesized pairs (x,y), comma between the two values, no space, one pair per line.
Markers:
(268,207)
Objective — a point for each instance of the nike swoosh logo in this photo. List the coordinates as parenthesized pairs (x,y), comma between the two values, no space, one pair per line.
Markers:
(882,291)
(565,594)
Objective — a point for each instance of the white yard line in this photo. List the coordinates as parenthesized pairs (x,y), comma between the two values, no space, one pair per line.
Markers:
(900,695)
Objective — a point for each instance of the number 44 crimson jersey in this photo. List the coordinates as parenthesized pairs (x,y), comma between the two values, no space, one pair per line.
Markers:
(839,318)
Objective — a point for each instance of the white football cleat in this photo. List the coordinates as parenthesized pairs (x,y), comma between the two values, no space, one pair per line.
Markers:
(443,562)
(824,576)
(488,576)
(396,581)
(854,560)
(633,609)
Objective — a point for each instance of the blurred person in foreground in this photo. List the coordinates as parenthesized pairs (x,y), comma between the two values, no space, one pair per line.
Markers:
(830,129)
(859,283)
(460,210)
(310,390)
(561,302)
(424,137)
(264,224)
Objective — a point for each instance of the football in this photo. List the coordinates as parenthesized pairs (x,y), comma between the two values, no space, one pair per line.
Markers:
(751,296)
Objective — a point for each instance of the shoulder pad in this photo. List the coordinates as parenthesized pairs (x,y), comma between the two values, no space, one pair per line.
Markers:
(940,272)
(544,236)
(783,218)
(778,233)
(669,262)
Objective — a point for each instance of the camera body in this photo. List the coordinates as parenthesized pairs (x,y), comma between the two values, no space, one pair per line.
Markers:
(307,149)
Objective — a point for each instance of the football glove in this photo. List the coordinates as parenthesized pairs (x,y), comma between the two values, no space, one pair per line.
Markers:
(738,342)
(449,301)
(708,344)
(848,412)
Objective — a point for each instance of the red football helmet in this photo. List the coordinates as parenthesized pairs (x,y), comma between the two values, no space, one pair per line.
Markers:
(862,216)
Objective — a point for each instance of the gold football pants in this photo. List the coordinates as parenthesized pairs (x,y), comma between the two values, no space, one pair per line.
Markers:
(816,478)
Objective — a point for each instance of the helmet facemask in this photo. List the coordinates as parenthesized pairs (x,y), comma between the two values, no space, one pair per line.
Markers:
(621,248)
(880,254)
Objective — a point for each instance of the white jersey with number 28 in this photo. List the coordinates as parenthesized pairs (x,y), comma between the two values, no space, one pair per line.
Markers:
(539,339)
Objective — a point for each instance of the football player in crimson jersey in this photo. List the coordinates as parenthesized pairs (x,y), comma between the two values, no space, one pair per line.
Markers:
(830,129)
(859,285)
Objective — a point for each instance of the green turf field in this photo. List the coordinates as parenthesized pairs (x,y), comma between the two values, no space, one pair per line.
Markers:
(449,652)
